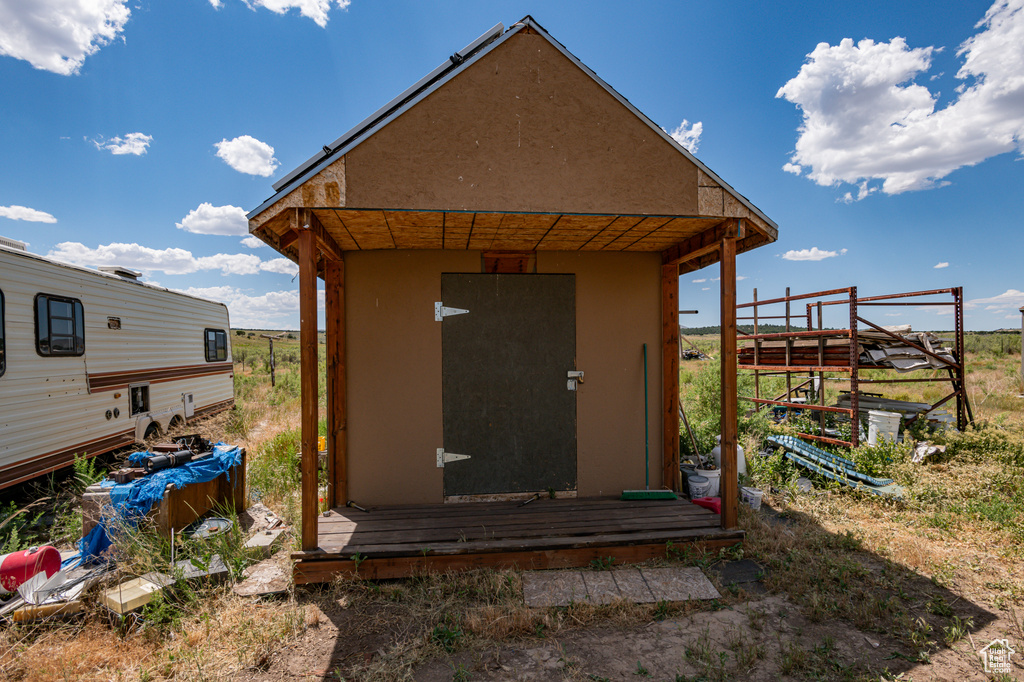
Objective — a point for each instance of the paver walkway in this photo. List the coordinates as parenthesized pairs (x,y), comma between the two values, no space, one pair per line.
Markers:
(640,585)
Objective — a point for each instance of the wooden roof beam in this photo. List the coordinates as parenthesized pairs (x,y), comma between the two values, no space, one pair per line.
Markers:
(704,244)
(304,219)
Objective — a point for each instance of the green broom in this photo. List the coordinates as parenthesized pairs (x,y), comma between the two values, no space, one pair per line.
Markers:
(647,494)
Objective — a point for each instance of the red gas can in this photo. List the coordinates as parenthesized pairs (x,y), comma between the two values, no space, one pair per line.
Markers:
(17,567)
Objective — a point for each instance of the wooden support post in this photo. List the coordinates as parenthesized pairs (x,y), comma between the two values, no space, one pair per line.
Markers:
(310,375)
(729,483)
(337,453)
(670,473)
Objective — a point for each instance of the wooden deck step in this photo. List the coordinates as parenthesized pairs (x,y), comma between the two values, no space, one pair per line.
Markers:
(399,541)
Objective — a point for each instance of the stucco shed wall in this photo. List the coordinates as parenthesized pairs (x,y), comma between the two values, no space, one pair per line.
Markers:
(394,369)
(523,129)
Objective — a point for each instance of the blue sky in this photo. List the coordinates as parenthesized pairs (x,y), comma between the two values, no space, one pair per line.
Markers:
(884,138)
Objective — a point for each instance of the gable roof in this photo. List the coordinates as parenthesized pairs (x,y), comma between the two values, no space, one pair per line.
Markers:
(444,73)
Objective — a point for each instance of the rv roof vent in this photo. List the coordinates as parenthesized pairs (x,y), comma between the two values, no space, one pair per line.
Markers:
(13,244)
(121,272)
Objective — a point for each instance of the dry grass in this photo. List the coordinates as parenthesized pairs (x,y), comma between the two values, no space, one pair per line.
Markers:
(882,566)
(226,635)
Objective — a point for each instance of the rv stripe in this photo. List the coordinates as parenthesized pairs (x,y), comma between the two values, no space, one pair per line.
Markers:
(111,381)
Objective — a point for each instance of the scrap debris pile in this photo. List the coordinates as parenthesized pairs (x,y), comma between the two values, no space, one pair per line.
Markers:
(882,350)
(41,582)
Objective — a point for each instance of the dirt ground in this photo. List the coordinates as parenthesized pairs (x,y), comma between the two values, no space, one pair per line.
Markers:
(762,638)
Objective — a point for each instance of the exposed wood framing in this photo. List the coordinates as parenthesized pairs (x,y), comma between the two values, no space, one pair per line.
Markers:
(670,367)
(307,349)
(327,570)
(337,450)
(729,486)
(751,240)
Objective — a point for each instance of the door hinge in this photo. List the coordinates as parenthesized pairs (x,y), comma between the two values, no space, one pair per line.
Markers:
(441,312)
(445,457)
(573,378)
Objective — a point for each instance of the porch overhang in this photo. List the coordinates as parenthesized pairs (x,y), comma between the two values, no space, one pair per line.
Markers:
(691,242)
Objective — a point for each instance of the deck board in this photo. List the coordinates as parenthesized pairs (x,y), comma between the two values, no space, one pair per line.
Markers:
(399,541)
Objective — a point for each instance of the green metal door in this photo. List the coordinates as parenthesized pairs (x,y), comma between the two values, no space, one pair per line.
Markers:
(506,400)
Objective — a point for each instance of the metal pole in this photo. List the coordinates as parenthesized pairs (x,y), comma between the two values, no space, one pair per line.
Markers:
(854,373)
(757,353)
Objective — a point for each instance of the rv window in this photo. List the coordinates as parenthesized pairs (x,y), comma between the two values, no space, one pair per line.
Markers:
(60,325)
(3,347)
(216,345)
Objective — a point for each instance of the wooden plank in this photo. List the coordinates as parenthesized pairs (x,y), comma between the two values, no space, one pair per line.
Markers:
(324,241)
(705,243)
(407,542)
(465,532)
(309,380)
(670,474)
(729,485)
(539,543)
(337,408)
(370,521)
(473,509)
(329,567)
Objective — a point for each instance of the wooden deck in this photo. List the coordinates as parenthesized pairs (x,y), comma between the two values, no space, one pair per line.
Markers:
(395,542)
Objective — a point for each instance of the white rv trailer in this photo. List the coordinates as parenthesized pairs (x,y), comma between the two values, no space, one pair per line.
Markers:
(91,361)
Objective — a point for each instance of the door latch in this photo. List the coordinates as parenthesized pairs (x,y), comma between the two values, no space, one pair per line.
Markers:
(445,457)
(574,377)
(441,311)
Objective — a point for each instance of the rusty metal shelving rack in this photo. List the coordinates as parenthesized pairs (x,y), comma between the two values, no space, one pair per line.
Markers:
(851,365)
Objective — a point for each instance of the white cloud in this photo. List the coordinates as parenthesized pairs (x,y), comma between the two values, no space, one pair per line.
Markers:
(172,261)
(253,242)
(1011,299)
(231,263)
(813,253)
(741,277)
(132,143)
(793,168)
(702,279)
(282,266)
(31,215)
(688,135)
(255,311)
(705,288)
(246,154)
(313,9)
(866,120)
(210,219)
(57,35)
(939,266)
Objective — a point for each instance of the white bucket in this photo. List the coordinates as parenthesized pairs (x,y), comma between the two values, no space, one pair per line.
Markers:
(751,497)
(714,477)
(699,487)
(883,424)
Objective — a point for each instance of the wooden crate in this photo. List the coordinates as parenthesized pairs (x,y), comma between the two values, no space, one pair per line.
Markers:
(179,507)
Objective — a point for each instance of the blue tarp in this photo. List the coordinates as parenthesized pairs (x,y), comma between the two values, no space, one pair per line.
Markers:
(133,500)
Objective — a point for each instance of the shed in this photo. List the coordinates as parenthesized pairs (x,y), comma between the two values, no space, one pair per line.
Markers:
(501,247)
